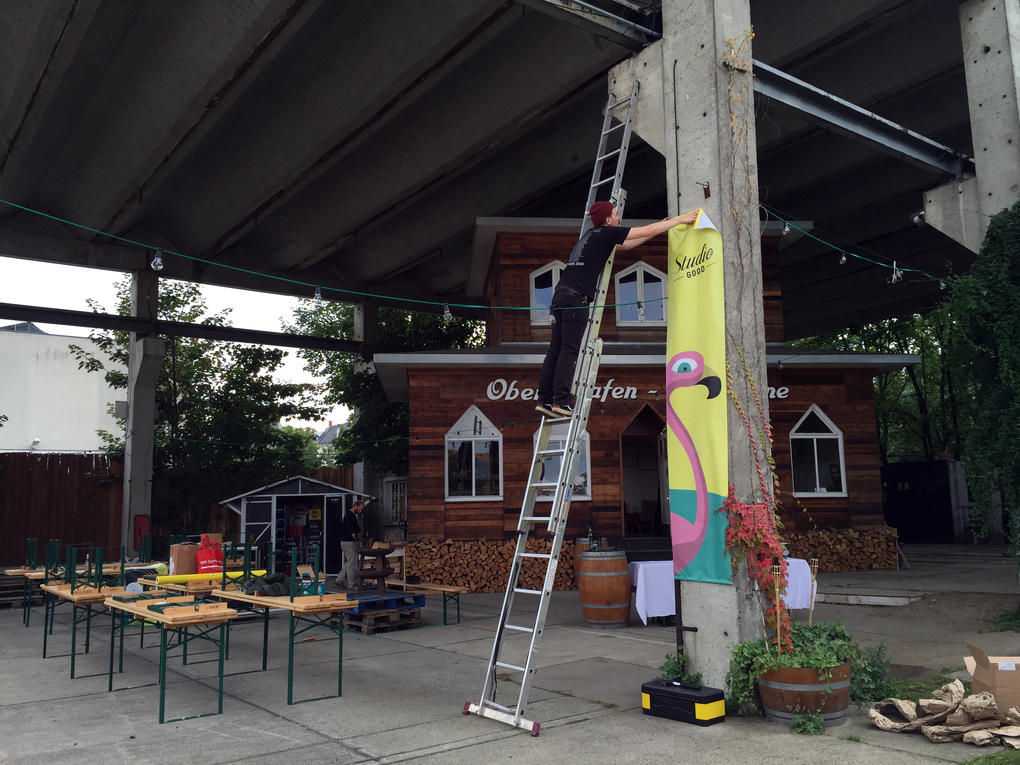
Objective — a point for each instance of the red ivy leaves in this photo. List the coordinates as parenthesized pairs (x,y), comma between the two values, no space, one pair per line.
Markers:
(752,533)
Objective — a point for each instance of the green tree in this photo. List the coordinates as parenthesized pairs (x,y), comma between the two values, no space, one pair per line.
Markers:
(917,407)
(377,430)
(985,347)
(217,430)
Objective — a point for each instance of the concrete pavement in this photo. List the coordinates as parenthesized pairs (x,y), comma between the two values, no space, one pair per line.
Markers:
(404,693)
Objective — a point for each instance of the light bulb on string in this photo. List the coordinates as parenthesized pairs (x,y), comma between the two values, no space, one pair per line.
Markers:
(942,284)
(786,228)
(842,258)
(897,275)
(318,296)
(446,312)
(157,261)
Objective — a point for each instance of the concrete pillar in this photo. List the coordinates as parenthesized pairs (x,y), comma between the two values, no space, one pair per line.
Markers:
(704,126)
(990,31)
(144,365)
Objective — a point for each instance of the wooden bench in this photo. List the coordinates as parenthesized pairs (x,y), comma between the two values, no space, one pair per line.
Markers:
(450,592)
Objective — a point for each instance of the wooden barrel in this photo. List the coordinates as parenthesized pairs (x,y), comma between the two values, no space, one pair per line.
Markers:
(604,587)
(786,693)
(580,546)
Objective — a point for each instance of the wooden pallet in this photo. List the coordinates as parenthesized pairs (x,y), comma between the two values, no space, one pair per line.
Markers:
(383,620)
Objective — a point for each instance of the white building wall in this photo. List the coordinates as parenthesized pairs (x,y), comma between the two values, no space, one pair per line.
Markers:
(46,396)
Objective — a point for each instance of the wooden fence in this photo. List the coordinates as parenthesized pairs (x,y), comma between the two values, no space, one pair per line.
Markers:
(75,498)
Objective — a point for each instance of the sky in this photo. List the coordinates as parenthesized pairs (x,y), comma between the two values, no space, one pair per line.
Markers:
(56,286)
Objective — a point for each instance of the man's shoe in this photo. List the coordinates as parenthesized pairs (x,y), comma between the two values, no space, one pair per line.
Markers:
(563,410)
(546,410)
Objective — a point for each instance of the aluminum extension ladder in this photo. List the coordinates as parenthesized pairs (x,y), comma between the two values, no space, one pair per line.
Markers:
(528,619)
(531,623)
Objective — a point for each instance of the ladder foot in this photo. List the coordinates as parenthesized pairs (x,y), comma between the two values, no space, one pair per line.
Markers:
(534,728)
(467,707)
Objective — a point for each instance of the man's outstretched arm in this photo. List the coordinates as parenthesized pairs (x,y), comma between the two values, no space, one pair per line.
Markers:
(641,234)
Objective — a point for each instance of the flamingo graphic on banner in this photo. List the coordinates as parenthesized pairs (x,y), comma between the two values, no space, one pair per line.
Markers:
(695,411)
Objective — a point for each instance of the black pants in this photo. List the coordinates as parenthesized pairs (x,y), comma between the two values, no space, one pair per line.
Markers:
(570,317)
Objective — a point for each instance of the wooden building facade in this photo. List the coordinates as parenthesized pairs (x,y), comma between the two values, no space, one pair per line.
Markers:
(473,424)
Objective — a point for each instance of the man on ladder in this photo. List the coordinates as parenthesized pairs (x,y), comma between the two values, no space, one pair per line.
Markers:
(576,289)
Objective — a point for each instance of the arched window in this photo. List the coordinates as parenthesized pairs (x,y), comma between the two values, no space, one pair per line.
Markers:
(640,296)
(474,467)
(551,463)
(816,456)
(543,282)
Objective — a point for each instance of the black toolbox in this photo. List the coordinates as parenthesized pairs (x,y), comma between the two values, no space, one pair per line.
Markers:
(697,704)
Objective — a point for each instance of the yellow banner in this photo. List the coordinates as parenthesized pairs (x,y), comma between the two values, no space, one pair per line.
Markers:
(696,437)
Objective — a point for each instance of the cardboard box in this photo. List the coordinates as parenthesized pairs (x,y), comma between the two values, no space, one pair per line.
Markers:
(182,558)
(999,675)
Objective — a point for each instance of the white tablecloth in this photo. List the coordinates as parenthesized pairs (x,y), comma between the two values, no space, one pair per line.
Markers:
(654,587)
(798,584)
(653,583)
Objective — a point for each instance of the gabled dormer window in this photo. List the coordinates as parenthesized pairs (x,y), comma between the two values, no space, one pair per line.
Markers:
(474,466)
(816,456)
(640,297)
(543,282)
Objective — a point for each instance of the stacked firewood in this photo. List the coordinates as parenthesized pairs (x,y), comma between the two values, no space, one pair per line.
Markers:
(484,565)
(846,549)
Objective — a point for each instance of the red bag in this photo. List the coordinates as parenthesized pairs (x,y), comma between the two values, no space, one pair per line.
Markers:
(209,559)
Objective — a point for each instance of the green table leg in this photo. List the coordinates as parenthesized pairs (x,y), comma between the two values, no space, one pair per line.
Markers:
(88,627)
(340,658)
(290,660)
(46,621)
(74,635)
(113,641)
(162,673)
(265,637)
(224,636)
(185,645)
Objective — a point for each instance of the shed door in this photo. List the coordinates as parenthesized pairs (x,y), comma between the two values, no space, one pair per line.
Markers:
(258,521)
(331,545)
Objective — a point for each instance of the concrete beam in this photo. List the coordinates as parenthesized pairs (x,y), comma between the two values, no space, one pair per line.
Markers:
(955,209)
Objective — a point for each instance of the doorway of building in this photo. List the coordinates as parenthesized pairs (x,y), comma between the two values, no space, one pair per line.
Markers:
(643,470)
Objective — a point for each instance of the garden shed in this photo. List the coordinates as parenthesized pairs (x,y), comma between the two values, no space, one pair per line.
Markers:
(298,512)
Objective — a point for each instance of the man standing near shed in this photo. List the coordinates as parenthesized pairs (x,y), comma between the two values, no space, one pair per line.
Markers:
(576,289)
(350,530)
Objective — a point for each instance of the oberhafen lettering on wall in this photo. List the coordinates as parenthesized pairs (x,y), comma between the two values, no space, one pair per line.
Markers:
(502,390)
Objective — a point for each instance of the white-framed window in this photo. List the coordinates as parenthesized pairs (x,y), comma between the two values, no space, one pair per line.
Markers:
(474,465)
(551,463)
(816,456)
(640,296)
(543,282)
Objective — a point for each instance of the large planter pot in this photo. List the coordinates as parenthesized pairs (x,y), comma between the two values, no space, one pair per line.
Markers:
(603,584)
(786,693)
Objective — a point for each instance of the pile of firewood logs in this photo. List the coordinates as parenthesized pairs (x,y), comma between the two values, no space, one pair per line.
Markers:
(846,549)
(484,565)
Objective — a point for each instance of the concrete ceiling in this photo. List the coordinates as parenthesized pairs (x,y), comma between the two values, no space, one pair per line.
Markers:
(353,145)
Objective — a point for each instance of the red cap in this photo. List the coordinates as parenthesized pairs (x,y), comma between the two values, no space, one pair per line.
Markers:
(600,212)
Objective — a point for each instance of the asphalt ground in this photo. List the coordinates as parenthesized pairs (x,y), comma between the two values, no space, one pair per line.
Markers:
(404,691)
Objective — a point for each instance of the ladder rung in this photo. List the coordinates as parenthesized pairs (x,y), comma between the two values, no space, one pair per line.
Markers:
(607,156)
(518,627)
(604,181)
(528,592)
(613,128)
(544,452)
(536,555)
(545,484)
(538,517)
(504,665)
(500,707)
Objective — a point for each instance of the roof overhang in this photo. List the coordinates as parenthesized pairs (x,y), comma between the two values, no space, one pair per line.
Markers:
(392,368)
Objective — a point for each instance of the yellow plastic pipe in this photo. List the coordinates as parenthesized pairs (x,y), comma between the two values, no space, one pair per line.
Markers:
(182,578)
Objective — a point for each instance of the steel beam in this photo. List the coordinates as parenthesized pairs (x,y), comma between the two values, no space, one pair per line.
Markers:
(859,124)
(17,312)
